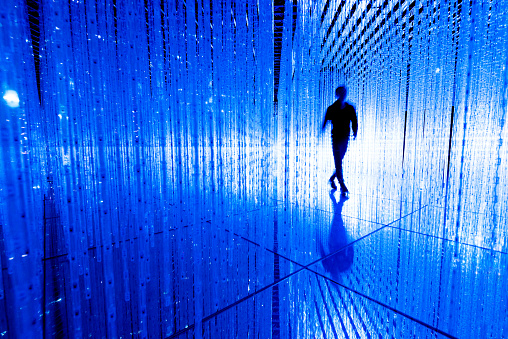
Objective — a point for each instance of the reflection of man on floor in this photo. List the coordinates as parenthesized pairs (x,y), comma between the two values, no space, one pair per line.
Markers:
(341,114)
(342,260)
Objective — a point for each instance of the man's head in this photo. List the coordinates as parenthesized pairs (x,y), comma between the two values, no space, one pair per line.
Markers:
(340,93)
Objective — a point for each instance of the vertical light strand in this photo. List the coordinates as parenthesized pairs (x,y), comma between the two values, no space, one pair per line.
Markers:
(17,90)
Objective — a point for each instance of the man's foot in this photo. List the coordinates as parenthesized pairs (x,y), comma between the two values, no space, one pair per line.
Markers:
(332,184)
(343,190)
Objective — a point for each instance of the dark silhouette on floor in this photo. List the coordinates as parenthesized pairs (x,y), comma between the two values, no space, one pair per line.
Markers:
(342,114)
(342,260)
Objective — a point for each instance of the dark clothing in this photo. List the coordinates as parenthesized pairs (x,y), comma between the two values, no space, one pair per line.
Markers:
(339,150)
(341,118)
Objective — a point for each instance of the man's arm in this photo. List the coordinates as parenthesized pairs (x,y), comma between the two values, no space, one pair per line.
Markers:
(325,121)
(354,122)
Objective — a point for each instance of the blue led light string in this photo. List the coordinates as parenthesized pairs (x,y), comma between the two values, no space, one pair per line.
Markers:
(193,112)
(252,117)
(502,147)
(79,39)
(210,61)
(300,100)
(78,89)
(224,82)
(122,199)
(218,106)
(240,104)
(161,107)
(124,135)
(284,101)
(174,69)
(187,116)
(34,167)
(245,113)
(208,202)
(265,107)
(168,166)
(65,107)
(138,63)
(18,89)
(297,138)
(97,62)
(416,66)
(217,215)
(468,25)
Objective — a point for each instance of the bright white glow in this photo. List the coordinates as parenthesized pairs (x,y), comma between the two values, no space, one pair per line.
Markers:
(11,98)
(437,70)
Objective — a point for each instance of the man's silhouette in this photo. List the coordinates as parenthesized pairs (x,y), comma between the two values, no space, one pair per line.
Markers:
(341,114)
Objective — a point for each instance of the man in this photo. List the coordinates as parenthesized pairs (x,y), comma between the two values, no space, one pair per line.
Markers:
(341,114)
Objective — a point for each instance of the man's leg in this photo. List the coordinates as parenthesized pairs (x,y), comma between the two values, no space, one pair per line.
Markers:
(332,178)
(339,151)
(334,175)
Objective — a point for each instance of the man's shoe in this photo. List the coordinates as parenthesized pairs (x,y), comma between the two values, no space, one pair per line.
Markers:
(332,184)
(343,190)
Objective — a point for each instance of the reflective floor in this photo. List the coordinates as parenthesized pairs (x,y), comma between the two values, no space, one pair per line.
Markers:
(333,267)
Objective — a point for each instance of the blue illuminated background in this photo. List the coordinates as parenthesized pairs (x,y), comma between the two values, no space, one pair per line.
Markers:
(163,171)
